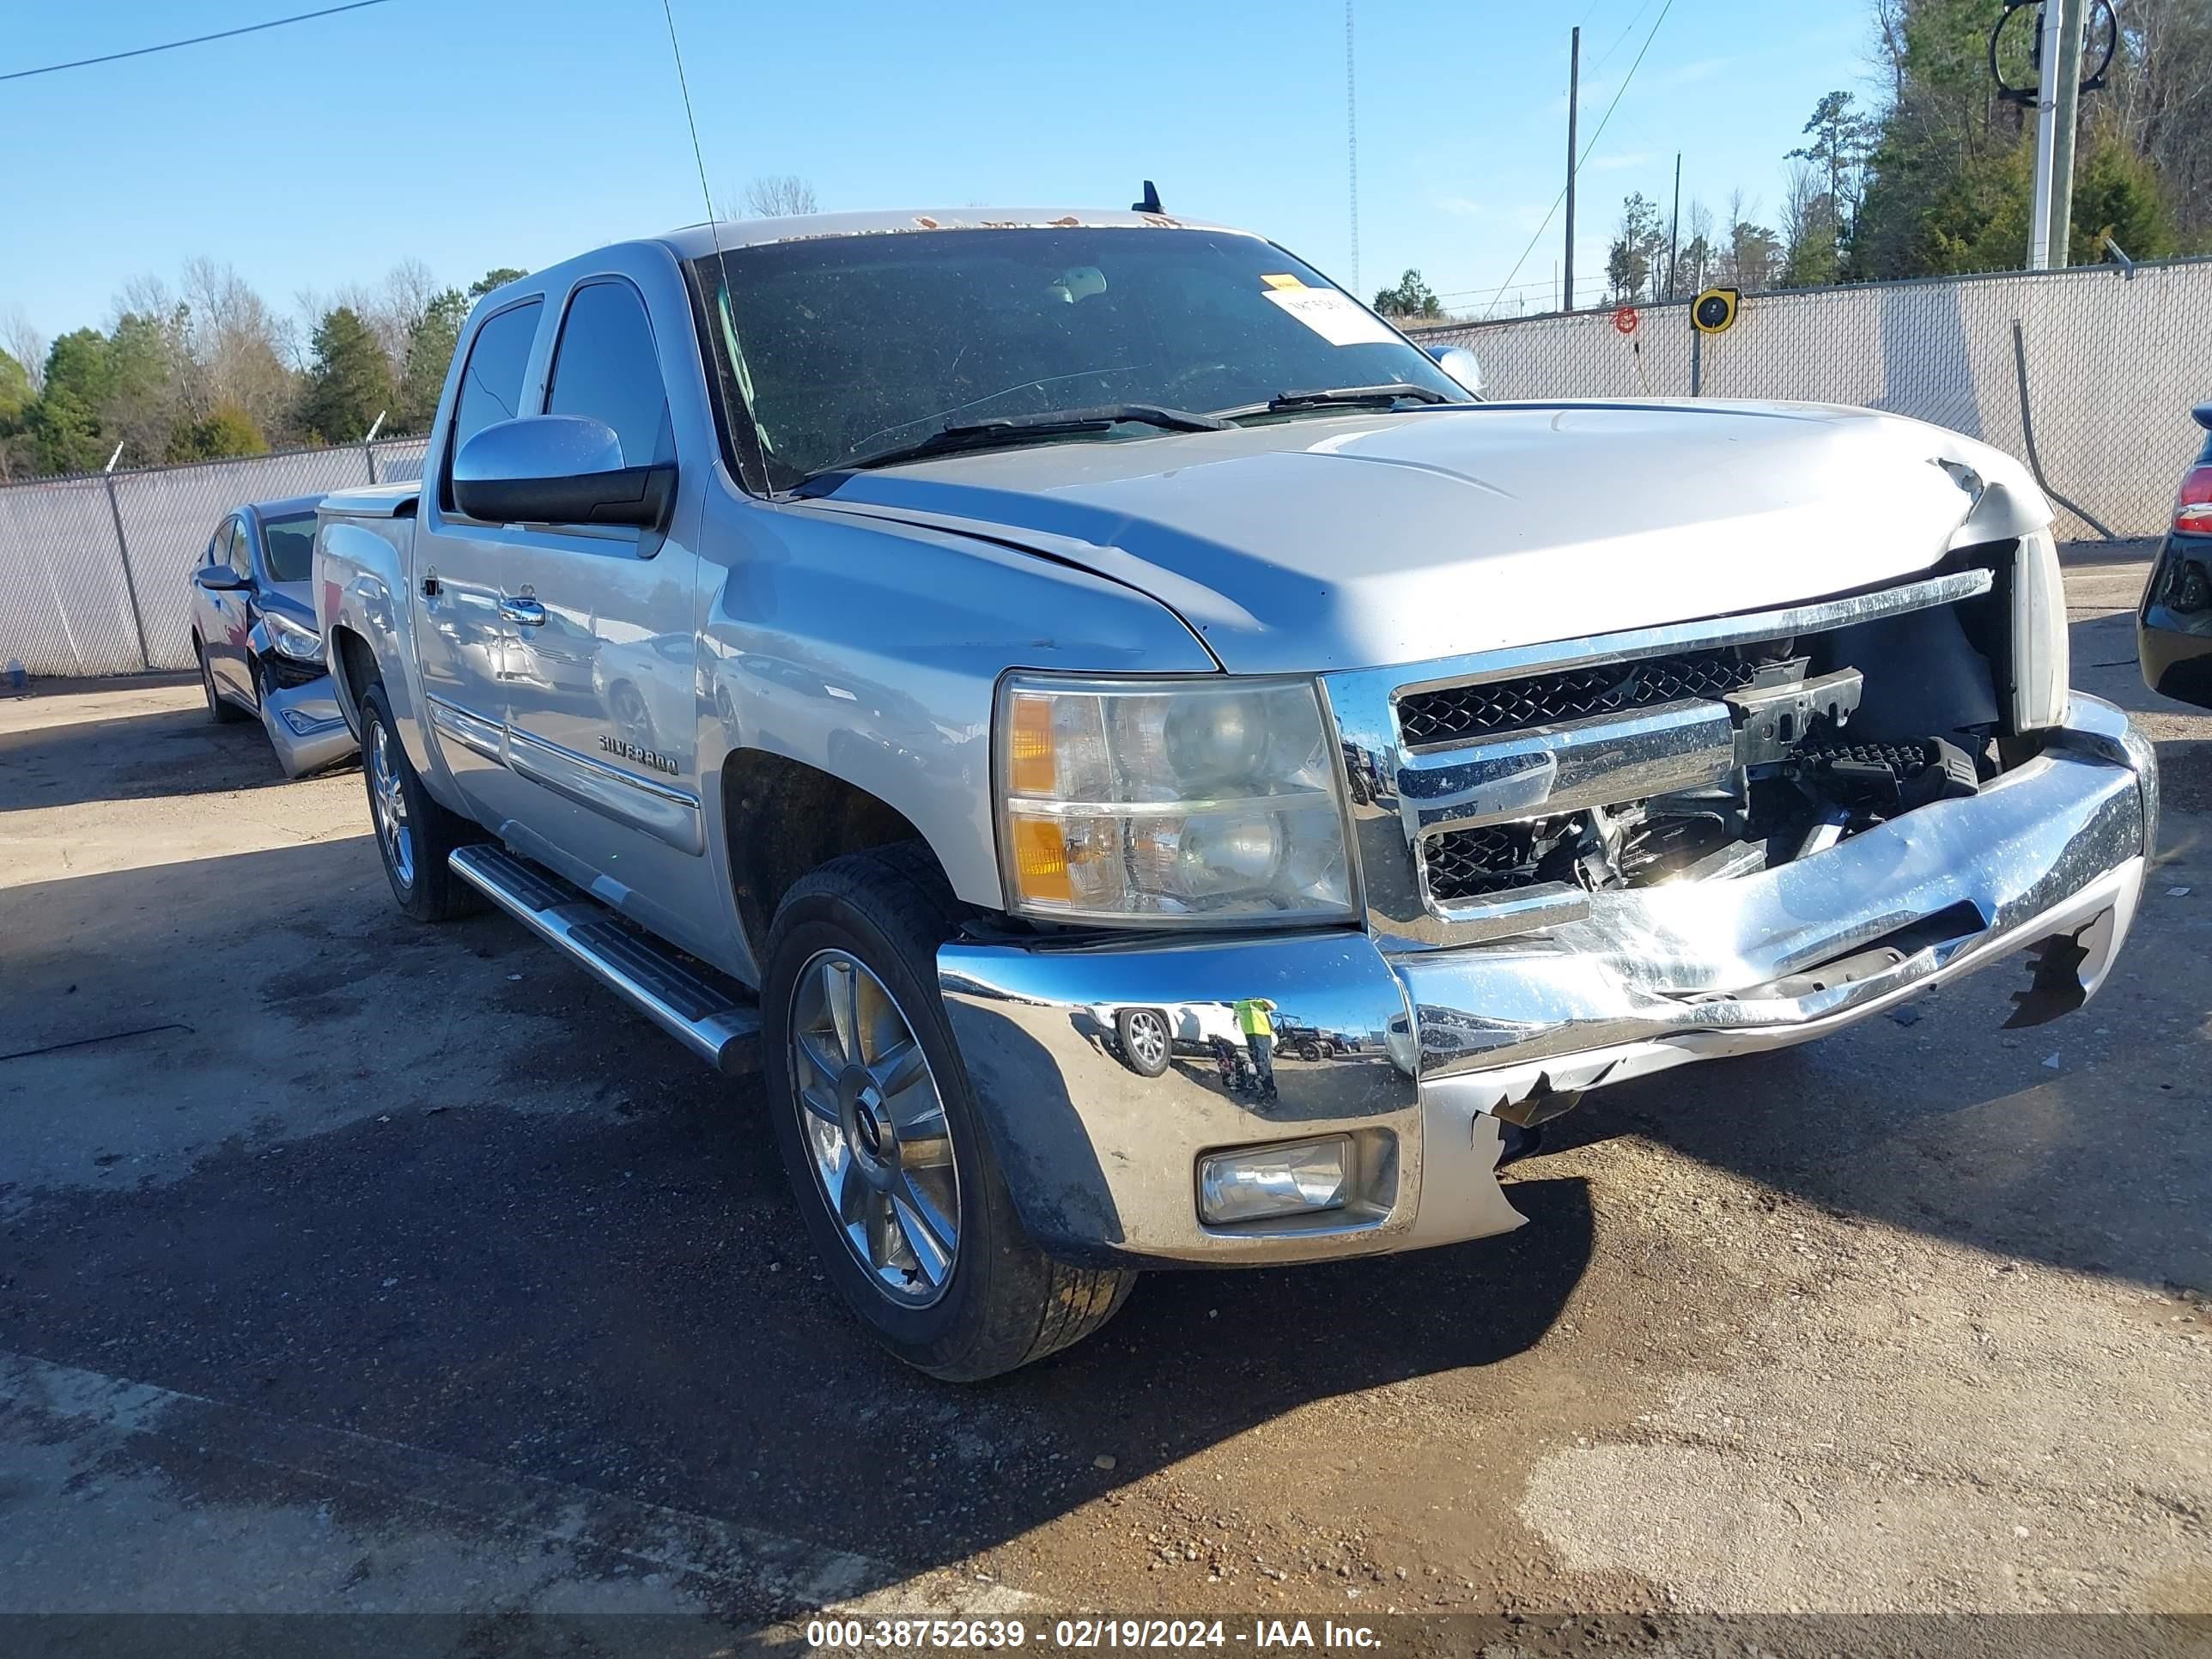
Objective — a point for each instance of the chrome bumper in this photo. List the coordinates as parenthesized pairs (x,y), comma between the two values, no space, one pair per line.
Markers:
(306,726)
(1101,1161)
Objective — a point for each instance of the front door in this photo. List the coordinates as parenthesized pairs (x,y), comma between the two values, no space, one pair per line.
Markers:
(463,639)
(231,614)
(602,715)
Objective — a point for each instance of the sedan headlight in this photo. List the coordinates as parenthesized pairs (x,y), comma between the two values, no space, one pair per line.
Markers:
(300,644)
(1203,801)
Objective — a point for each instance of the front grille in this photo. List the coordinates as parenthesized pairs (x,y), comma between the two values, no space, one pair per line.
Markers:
(1457,714)
(287,674)
(1465,864)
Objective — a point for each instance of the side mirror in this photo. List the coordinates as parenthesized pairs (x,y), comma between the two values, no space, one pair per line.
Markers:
(219,579)
(1460,363)
(558,469)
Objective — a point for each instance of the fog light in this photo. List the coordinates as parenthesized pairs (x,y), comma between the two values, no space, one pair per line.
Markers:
(1271,1181)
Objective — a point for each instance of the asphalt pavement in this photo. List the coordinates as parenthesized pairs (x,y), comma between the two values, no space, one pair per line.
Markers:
(349,1265)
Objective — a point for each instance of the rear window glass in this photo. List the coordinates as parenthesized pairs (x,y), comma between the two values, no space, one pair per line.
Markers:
(290,544)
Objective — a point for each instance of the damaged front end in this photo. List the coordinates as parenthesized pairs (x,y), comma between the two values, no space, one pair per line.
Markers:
(1602,856)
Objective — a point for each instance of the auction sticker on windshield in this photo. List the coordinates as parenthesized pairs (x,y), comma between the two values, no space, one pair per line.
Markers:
(1337,317)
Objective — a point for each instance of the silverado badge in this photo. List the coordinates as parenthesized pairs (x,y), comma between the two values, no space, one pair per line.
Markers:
(643,756)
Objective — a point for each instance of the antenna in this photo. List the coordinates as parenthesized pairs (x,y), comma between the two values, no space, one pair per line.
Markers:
(713,232)
(1352,144)
(1151,202)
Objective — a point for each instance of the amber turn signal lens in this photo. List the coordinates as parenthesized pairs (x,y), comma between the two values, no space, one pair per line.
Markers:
(1029,749)
(1040,861)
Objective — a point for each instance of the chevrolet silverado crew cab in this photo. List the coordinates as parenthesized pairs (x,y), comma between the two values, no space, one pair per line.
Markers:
(1153,769)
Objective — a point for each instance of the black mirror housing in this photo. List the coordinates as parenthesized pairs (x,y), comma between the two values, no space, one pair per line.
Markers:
(559,469)
(219,579)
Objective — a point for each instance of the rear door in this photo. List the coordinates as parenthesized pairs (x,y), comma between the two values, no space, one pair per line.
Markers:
(462,640)
(602,709)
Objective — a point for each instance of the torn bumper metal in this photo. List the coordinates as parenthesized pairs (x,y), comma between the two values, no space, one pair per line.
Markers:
(306,726)
(1435,1045)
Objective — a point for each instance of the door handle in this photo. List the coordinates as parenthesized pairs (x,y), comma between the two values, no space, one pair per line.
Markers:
(526,612)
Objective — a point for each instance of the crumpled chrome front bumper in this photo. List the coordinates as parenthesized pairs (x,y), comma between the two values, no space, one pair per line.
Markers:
(1441,1043)
(306,726)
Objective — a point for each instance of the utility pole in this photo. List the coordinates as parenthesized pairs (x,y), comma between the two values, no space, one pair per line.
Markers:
(2048,52)
(1675,226)
(1574,90)
(2066,113)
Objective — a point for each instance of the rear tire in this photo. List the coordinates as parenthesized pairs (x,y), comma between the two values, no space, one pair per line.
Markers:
(964,1301)
(221,710)
(414,833)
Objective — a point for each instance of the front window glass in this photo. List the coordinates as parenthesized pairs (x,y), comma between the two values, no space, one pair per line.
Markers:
(846,345)
(288,543)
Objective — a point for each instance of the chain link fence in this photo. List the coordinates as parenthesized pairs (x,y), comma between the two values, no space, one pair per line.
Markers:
(95,571)
(2088,374)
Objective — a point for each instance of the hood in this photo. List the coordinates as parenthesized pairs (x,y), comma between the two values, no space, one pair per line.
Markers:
(1369,539)
(294,601)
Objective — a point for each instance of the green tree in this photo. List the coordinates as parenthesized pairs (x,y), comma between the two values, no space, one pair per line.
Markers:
(350,381)
(497,276)
(1412,297)
(431,345)
(1842,139)
(1634,264)
(15,393)
(226,431)
(65,422)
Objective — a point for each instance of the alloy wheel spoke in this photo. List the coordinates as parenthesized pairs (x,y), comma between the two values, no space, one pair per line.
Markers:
(918,1225)
(819,1048)
(821,1105)
(899,1067)
(841,987)
(924,1140)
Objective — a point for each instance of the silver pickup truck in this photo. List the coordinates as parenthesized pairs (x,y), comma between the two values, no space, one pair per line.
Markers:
(1154,769)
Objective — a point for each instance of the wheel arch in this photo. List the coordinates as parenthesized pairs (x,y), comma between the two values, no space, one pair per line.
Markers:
(783,819)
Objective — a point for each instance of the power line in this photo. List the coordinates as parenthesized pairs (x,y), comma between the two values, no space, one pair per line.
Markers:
(1592,145)
(198,39)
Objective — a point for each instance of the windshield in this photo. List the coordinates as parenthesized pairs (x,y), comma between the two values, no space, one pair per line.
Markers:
(846,345)
(290,542)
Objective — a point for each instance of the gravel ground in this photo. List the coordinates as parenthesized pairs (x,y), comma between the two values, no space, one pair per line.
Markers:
(350,1264)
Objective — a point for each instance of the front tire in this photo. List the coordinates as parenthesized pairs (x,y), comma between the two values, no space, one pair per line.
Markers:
(414,833)
(220,709)
(882,1137)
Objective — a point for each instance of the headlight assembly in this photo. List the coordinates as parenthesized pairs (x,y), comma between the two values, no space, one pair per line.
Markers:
(1199,801)
(290,639)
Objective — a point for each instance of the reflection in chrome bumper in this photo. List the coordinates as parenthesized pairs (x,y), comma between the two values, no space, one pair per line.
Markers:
(306,726)
(1102,1159)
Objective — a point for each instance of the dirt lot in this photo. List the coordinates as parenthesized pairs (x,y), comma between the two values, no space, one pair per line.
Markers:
(350,1264)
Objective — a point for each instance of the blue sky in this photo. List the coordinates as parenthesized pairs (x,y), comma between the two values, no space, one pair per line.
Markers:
(471,133)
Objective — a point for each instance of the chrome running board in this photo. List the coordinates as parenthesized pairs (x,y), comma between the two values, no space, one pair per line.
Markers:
(710,1015)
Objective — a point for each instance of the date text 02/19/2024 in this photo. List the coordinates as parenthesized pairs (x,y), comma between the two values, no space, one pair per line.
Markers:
(898,1635)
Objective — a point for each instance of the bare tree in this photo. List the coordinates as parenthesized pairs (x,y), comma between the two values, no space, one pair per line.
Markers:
(776,195)
(23,341)
(240,348)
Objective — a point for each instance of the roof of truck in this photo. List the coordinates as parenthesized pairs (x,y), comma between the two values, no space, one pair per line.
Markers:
(694,240)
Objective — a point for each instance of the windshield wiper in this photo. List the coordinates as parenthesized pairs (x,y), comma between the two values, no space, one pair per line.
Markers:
(1341,397)
(1023,428)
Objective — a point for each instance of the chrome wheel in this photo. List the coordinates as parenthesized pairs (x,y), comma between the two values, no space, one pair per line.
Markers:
(1148,1040)
(389,800)
(873,1123)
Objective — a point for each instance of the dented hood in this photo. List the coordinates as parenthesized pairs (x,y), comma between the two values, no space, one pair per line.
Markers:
(1366,539)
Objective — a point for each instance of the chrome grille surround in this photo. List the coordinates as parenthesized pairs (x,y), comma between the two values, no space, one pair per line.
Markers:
(1403,791)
